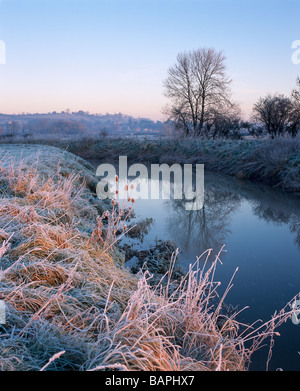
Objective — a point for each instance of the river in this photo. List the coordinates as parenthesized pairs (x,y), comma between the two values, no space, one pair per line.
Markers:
(260,228)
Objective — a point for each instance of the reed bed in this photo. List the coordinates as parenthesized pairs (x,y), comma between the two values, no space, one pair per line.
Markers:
(73,305)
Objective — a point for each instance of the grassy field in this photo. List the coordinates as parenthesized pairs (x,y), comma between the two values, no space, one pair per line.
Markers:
(274,162)
(71,302)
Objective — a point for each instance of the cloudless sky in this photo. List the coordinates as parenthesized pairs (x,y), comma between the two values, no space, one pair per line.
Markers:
(113,55)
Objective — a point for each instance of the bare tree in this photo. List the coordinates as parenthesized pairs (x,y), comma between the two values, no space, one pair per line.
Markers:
(224,122)
(254,130)
(12,128)
(296,91)
(295,112)
(196,84)
(274,112)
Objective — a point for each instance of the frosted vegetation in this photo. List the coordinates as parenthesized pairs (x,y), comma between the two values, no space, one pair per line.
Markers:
(71,302)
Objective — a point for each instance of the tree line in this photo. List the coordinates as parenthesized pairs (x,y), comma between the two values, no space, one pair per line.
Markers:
(79,124)
(59,127)
(201,105)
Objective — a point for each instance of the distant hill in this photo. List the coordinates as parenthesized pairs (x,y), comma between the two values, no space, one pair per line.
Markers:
(66,124)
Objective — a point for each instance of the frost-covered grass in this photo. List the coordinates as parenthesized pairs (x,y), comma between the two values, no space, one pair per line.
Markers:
(71,302)
(274,162)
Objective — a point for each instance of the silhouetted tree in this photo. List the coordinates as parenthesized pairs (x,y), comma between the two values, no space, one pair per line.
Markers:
(224,123)
(295,112)
(253,129)
(196,84)
(12,128)
(274,112)
(296,91)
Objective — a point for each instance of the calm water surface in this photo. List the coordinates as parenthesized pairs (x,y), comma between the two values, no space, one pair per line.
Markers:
(260,229)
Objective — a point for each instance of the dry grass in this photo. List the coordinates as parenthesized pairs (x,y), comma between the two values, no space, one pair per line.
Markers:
(72,305)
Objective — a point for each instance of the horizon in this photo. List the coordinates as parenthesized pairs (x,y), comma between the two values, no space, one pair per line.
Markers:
(112,56)
(74,113)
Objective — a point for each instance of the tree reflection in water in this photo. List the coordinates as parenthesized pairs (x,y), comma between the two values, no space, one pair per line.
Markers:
(207,227)
(196,231)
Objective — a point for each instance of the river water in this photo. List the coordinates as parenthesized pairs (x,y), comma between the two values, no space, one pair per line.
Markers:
(260,228)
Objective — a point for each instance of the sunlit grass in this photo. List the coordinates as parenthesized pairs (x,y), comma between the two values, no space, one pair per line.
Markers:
(73,305)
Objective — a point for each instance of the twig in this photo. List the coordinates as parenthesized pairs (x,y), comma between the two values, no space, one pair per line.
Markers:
(54,357)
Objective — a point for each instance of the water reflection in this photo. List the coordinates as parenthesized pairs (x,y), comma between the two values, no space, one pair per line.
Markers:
(278,214)
(207,227)
(210,226)
(260,228)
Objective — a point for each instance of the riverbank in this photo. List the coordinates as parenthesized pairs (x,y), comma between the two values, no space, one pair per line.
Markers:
(273,162)
(70,297)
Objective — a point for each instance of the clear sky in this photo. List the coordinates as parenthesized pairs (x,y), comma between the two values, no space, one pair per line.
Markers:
(112,55)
